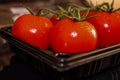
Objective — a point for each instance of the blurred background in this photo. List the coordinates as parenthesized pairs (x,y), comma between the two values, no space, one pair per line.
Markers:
(10,9)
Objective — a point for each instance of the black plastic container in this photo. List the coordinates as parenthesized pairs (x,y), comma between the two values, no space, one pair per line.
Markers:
(62,67)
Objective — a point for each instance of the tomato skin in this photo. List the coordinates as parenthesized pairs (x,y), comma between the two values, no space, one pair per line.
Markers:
(70,36)
(107,26)
(33,29)
(54,20)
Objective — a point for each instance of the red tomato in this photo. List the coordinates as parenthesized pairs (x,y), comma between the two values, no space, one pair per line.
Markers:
(54,19)
(70,36)
(33,29)
(107,26)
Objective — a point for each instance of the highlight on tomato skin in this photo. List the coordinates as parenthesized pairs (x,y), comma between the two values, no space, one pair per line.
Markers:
(33,29)
(72,37)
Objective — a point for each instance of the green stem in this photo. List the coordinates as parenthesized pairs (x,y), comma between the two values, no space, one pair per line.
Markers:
(41,11)
(108,7)
(61,9)
(71,12)
(85,15)
(116,10)
(77,6)
(30,11)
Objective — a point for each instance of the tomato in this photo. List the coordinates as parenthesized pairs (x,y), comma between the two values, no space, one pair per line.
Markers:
(69,36)
(33,29)
(108,27)
(54,19)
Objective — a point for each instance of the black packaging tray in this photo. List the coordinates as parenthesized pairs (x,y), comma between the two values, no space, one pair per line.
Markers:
(67,67)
